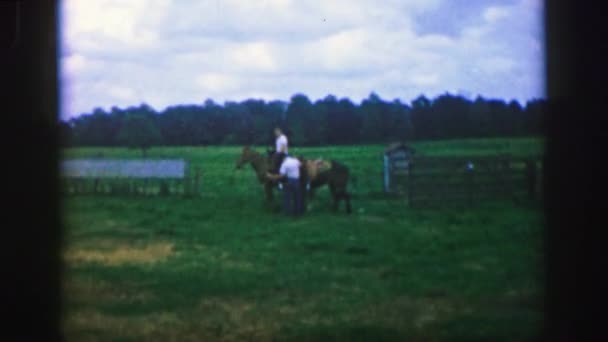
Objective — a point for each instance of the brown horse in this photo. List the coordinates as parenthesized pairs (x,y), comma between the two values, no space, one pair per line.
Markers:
(261,165)
(315,174)
(333,173)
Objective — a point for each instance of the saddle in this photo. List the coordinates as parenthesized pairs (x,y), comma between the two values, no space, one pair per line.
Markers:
(316,167)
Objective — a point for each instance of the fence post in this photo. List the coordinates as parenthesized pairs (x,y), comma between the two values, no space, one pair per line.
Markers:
(531,177)
(386,174)
(469,176)
(196,180)
(506,175)
(410,182)
(164,188)
(540,174)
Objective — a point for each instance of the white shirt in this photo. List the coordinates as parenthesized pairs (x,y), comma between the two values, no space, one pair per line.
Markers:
(290,168)
(281,141)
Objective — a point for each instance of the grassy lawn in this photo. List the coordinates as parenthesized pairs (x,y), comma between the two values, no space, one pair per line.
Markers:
(223,267)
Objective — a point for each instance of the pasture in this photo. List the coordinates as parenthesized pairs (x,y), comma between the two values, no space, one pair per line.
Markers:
(222,267)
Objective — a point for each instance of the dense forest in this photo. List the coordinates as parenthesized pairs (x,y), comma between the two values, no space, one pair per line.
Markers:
(328,121)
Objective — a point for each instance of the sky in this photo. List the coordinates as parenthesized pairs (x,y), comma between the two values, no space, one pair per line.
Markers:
(169,52)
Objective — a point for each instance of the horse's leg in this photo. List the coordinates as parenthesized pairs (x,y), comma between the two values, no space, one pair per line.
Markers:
(334,196)
(268,191)
(339,189)
(303,198)
(311,194)
(270,203)
(341,194)
(346,197)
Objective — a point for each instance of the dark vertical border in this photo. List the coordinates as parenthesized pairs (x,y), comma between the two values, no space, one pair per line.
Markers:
(31,227)
(575,173)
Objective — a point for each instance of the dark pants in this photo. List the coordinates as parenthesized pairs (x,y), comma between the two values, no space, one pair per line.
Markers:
(292,198)
(276,160)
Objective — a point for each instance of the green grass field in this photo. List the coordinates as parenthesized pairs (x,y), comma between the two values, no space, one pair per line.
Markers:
(223,267)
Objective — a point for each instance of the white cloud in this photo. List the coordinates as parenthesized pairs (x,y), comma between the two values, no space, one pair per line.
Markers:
(217,83)
(345,49)
(496,13)
(121,93)
(134,23)
(165,52)
(255,56)
(74,63)
(495,65)
(425,79)
(435,41)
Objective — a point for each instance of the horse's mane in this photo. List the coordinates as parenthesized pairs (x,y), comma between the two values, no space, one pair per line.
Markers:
(259,163)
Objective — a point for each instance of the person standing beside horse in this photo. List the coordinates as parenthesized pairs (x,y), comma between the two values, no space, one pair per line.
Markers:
(292,192)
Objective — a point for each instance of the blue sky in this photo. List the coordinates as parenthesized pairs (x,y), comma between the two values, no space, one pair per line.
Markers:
(167,52)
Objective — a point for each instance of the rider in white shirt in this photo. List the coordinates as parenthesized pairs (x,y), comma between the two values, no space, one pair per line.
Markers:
(281,145)
(281,149)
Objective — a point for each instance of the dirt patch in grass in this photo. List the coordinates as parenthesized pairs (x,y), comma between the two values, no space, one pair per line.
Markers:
(405,313)
(238,319)
(231,319)
(121,254)
(93,291)
(214,320)
(144,327)
(234,319)
(87,289)
(234,308)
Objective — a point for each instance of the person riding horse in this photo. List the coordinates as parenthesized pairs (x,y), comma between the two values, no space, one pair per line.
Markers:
(281,149)
(279,154)
(316,173)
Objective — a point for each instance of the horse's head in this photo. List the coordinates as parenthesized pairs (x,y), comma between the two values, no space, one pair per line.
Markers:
(246,157)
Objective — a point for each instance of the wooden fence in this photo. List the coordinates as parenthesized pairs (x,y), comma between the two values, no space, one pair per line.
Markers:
(438,181)
(129,177)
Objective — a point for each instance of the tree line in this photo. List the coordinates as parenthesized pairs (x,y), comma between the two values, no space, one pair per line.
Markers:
(327,121)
